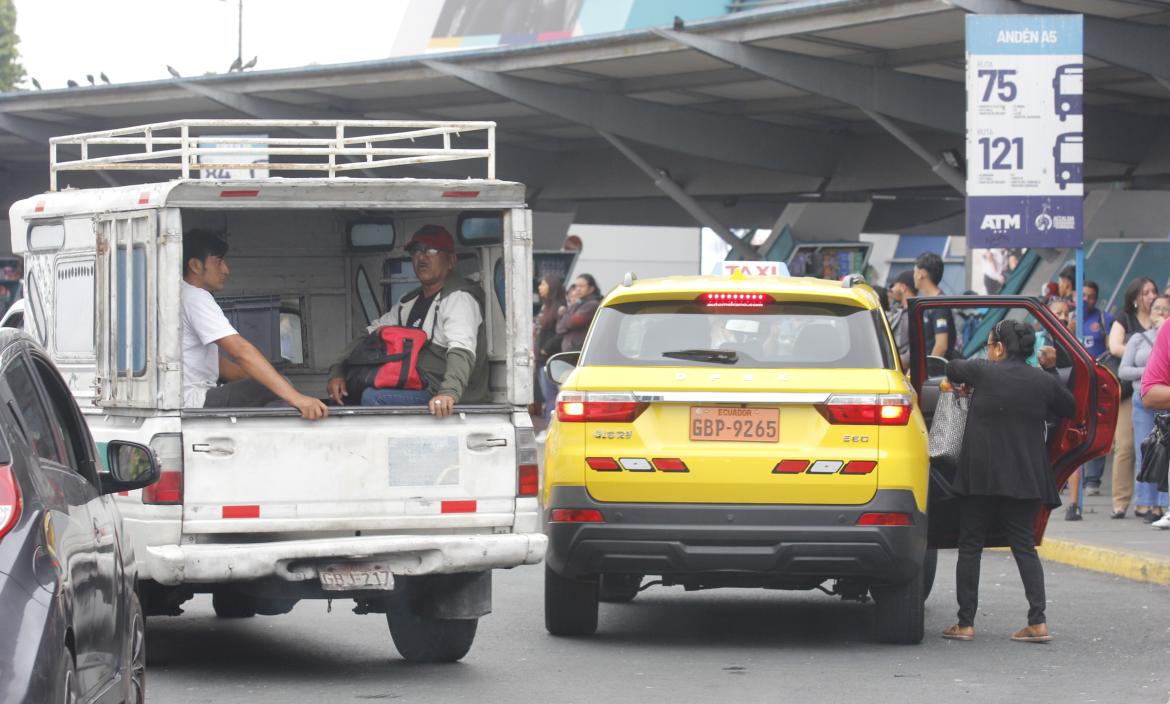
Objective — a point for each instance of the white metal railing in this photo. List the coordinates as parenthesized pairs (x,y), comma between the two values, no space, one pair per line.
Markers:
(343,146)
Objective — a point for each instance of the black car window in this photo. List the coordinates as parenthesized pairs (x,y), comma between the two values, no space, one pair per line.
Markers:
(777,334)
(64,413)
(31,413)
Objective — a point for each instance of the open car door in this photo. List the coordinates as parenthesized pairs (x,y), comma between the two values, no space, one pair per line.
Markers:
(1071,442)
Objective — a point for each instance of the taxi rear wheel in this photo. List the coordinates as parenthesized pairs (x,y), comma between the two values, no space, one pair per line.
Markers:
(929,567)
(901,611)
(619,588)
(570,605)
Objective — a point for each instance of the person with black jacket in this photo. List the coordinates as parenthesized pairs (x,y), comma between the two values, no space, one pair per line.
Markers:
(548,340)
(1004,476)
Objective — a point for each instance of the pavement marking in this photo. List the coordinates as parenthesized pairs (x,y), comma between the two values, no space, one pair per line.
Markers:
(1138,566)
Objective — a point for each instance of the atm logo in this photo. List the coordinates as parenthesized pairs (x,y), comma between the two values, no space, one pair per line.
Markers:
(1000,223)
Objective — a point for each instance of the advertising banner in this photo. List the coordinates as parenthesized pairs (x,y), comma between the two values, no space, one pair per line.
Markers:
(1025,134)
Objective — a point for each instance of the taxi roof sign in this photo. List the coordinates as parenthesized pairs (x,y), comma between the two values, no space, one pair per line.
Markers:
(738,270)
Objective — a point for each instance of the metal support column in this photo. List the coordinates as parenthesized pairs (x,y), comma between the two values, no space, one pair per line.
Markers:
(940,167)
(684,199)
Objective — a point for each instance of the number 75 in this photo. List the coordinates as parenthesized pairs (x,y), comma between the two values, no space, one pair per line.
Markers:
(999,79)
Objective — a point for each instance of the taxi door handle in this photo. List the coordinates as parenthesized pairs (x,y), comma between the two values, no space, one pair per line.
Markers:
(218,450)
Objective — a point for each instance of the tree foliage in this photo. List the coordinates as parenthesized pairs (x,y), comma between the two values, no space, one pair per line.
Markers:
(11,72)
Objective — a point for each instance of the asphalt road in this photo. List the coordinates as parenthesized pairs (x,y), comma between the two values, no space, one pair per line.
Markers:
(1112,644)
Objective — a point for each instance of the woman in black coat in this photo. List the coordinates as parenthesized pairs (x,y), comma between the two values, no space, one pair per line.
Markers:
(1004,475)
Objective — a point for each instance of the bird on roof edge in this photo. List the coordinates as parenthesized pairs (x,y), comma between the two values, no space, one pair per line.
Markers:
(104,77)
(72,83)
(35,82)
(89,77)
(174,74)
(679,24)
(250,64)
(236,63)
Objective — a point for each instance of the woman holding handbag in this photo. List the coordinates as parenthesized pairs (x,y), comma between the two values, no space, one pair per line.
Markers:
(1149,503)
(1003,477)
(1134,318)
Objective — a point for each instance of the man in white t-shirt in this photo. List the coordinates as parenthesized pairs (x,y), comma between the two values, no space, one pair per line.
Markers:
(250,380)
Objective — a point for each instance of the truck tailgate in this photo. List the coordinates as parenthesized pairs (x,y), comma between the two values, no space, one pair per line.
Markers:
(349,472)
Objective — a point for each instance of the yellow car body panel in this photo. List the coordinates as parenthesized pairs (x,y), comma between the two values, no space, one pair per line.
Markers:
(739,472)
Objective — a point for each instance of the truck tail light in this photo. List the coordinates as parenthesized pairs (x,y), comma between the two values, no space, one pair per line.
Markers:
(168,490)
(527,468)
(10,501)
(577,407)
(867,409)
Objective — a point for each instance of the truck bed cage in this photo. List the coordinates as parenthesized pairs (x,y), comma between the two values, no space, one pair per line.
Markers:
(334,147)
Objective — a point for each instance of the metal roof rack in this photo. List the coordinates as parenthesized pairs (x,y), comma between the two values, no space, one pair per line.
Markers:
(334,147)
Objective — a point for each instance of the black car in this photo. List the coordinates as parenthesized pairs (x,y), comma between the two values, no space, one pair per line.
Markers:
(73,627)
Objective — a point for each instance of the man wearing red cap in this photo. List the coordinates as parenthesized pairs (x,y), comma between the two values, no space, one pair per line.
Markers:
(449,309)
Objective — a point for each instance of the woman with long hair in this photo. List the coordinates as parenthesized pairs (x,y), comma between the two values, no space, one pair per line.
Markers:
(1147,500)
(574,323)
(1004,476)
(1133,318)
(547,340)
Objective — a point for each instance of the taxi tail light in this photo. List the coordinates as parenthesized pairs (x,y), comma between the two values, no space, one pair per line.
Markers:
(733,299)
(598,408)
(670,464)
(885,519)
(603,464)
(859,467)
(527,468)
(576,515)
(10,501)
(866,409)
(168,490)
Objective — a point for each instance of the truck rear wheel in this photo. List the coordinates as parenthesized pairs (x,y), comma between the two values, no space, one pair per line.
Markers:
(619,588)
(570,605)
(901,611)
(423,638)
(232,605)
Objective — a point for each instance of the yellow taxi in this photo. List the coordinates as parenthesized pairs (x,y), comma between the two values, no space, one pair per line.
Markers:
(736,432)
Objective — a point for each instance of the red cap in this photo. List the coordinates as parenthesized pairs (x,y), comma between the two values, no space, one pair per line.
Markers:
(435,236)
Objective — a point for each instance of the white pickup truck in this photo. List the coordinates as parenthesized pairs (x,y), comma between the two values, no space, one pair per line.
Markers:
(402,512)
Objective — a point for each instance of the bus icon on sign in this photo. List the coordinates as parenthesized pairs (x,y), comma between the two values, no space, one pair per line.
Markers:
(1068,89)
(1069,159)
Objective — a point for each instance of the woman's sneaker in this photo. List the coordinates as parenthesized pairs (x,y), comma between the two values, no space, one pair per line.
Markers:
(1163,522)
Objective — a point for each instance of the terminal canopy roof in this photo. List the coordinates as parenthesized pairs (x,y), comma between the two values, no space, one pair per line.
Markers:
(746,114)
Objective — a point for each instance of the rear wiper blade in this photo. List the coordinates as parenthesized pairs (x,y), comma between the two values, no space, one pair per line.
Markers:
(720,356)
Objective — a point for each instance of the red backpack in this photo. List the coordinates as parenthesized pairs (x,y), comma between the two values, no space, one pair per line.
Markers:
(386,359)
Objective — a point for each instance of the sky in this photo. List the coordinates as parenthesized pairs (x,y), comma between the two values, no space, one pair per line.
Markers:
(135,40)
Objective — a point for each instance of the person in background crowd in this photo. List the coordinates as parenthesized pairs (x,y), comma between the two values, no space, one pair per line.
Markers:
(548,342)
(1133,318)
(1149,503)
(1004,476)
(1066,283)
(574,322)
(900,292)
(939,327)
(994,266)
(1097,326)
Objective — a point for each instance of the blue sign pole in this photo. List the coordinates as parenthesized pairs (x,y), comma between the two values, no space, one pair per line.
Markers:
(1079,297)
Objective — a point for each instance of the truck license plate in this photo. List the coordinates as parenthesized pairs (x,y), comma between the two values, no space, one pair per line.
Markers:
(735,424)
(356,575)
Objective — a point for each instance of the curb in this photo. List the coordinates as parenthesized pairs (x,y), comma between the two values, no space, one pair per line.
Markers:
(1141,567)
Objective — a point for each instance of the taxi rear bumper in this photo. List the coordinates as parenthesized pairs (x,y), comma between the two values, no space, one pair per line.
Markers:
(795,546)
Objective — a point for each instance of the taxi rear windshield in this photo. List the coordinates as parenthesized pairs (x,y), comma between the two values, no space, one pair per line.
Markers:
(776,335)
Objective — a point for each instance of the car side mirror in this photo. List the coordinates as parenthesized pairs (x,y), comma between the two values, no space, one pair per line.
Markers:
(935,367)
(559,366)
(132,466)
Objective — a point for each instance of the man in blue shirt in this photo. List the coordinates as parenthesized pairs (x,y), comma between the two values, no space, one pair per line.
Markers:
(1097,322)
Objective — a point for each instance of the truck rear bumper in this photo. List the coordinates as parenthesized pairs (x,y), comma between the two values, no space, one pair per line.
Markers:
(800,545)
(299,560)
